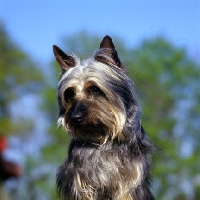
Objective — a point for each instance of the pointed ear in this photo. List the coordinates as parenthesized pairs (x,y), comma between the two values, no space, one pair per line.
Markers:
(63,59)
(107,43)
(107,53)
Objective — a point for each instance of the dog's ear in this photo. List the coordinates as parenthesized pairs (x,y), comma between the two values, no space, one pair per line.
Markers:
(107,53)
(107,43)
(63,59)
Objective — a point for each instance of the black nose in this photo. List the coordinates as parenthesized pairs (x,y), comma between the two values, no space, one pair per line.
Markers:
(78,111)
(77,116)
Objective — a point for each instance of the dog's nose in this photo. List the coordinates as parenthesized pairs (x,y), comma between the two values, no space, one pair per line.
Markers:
(77,117)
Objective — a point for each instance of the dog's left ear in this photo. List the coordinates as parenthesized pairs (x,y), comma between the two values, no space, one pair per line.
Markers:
(107,53)
(63,59)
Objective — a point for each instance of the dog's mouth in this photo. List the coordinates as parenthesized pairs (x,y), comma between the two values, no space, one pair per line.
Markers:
(95,133)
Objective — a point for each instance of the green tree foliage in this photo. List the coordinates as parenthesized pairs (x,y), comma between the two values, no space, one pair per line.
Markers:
(18,77)
(169,92)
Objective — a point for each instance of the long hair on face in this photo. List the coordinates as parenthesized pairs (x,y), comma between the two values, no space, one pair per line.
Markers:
(109,156)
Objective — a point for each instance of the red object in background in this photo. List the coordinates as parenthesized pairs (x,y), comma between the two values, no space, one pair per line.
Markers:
(3,144)
(7,169)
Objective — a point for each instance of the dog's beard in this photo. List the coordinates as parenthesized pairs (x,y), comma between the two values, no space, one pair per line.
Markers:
(97,126)
(97,129)
(93,133)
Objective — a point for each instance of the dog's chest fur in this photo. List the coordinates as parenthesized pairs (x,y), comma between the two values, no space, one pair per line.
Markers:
(104,172)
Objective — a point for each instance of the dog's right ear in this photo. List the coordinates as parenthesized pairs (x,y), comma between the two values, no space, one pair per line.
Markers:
(63,59)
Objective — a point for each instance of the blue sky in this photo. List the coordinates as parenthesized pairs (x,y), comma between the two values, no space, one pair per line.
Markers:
(38,24)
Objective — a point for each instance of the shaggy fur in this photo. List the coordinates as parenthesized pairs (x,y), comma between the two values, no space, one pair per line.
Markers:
(109,154)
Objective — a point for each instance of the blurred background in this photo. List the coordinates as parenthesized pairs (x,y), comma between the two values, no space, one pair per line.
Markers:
(159,43)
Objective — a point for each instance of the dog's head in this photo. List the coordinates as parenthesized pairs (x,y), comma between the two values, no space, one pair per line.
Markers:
(96,98)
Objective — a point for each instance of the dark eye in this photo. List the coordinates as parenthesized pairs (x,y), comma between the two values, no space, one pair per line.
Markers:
(68,95)
(94,90)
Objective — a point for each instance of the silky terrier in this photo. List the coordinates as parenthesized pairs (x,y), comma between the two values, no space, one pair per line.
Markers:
(109,155)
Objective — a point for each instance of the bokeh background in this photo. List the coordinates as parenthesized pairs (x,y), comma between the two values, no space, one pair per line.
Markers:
(159,43)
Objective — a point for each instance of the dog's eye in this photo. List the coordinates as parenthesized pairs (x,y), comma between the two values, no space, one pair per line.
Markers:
(94,90)
(68,95)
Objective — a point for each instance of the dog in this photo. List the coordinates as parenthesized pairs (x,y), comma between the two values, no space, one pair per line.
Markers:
(109,156)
